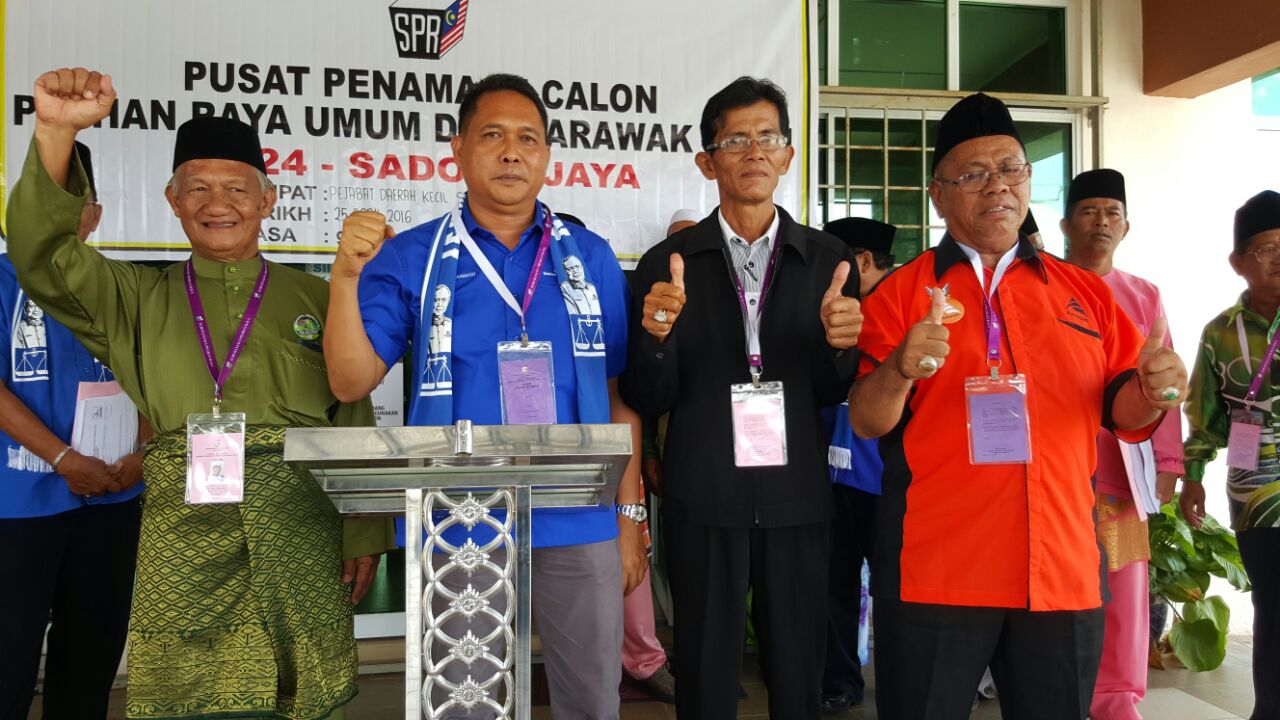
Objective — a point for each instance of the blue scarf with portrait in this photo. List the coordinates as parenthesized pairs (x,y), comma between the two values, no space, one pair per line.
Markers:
(434,388)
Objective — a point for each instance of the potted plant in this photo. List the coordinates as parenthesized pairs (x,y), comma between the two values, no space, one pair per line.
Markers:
(1183,560)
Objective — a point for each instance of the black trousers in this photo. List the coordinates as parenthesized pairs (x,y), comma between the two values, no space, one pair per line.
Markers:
(930,659)
(710,570)
(1260,550)
(853,533)
(76,567)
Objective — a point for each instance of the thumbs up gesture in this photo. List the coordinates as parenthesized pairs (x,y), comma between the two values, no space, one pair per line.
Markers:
(1161,374)
(664,302)
(73,99)
(841,316)
(924,350)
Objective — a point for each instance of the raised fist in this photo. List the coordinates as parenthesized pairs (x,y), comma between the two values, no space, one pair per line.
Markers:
(362,236)
(73,98)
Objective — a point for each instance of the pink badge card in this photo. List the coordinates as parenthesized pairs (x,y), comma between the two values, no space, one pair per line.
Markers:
(215,459)
(1244,439)
(759,424)
(527,379)
(999,429)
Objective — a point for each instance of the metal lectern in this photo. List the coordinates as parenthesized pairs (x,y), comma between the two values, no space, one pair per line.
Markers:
(476,477)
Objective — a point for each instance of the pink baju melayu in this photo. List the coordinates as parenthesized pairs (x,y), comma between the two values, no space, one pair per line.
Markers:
(1122,530)
(642,654)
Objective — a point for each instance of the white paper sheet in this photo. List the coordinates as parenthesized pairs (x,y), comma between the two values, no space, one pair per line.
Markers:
(106,424)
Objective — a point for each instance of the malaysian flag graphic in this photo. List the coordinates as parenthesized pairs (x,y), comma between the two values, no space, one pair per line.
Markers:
(455,21)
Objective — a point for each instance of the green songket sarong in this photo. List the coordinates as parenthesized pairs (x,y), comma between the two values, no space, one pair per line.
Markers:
(239,610)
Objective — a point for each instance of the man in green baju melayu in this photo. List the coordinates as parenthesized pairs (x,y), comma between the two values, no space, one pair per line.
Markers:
(240,609)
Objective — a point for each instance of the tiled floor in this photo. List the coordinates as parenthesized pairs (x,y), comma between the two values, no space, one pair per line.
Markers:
(1224,694)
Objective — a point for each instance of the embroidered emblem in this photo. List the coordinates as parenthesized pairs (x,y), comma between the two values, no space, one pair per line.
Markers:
(1076,310)
(306,327)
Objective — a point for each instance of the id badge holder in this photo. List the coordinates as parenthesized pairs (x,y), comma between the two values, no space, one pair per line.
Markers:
(996,414)
(528,383)
(215,458)
(759,424)
(1244,439)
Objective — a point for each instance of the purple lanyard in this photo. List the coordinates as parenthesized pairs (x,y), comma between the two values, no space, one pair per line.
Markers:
(753,358)
(242,333)
(991,320)
(535,274)
(993,335)
(1263,369)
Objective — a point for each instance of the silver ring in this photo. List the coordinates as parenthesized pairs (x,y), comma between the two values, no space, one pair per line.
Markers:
(660,316)
(928,363)
(1170,393)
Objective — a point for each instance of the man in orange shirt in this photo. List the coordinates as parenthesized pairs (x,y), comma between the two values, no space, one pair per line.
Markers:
(987,368)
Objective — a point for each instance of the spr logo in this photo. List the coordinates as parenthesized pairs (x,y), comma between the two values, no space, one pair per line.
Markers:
(427,34)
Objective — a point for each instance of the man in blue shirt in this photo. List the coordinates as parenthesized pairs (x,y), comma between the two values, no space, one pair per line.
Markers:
(855,468)
(500,268)
(70,520)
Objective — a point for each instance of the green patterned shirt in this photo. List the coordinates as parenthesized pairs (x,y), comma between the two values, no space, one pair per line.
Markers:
(1219,382)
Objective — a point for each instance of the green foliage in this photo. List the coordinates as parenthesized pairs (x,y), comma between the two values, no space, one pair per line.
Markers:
(1199,645)
(1183,562)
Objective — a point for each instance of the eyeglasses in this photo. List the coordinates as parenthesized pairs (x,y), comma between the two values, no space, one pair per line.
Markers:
(1012,174)
(1267,253)
(738,144)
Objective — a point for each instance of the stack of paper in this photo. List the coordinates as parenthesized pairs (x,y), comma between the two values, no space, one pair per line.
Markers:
(106,424)
(1140,465)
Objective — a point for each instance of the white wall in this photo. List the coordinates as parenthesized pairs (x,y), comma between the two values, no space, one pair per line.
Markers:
(1188,165)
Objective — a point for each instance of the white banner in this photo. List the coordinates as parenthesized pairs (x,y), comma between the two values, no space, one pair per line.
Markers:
(355,102)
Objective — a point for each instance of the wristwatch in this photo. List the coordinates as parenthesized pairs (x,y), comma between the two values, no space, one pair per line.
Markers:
(635,512)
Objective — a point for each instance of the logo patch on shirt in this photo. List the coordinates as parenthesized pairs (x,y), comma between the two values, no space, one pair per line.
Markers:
(1076,310)
(1077,319)
(954,310)
(306,327)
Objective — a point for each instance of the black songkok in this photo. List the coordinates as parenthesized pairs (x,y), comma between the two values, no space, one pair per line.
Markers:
(1100,183)
(215,138)
(976,116)
(1260,214)
(864,234)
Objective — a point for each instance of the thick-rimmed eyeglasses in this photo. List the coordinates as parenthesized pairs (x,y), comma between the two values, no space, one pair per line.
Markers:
(1267,254)
(738,144)
(1011,174)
